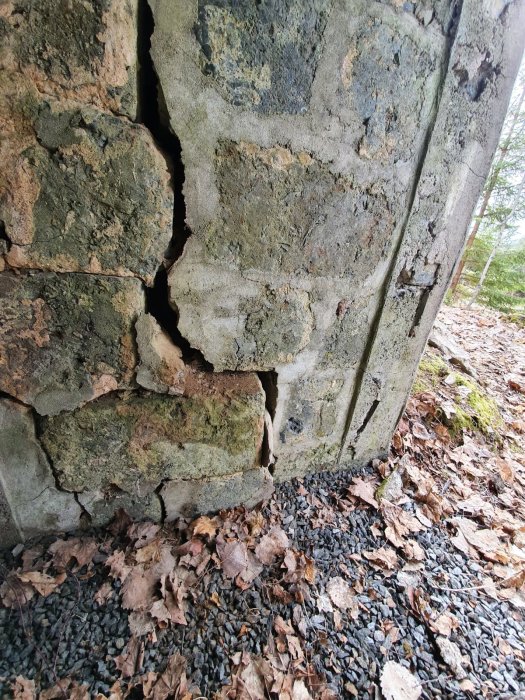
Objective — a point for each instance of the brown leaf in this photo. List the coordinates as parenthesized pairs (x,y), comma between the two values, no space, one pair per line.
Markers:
(397,683)
(205,526)
(364,490)
(420,432)
(138,589)
(42,583)
(14,593)
(104,592)
(81,549)
(413,551)
(143,533)
(452,656)
(130,661)
(341,594)
(384,557)
(70,689)
(117,565)
(444,624)
(272,545)
(233,557)
(172,682)
(23,689)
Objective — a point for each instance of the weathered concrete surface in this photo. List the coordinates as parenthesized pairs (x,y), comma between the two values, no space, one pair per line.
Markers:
(187,499)
(85,51)
(66,339)
(134,442)
(80,190)
(320,197)
(464,136)
(30,503)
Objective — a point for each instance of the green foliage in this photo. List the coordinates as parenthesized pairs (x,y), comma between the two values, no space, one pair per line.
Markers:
(504,285)
(494,264)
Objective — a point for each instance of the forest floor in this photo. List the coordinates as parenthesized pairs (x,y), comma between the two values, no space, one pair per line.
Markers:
(404,580)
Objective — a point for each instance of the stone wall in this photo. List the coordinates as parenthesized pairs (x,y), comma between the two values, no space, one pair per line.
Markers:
(226,229)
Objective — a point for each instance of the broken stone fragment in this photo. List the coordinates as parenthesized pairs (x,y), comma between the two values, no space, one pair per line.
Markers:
(66,339)
(136,441)
(85,51)
(101,506)
(30,503)
(187,499)
(161,365)
(81,190)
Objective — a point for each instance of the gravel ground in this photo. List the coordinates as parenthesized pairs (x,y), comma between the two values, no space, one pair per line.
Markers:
(67,633)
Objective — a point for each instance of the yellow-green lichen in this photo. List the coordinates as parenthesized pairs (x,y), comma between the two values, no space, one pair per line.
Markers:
(476,410)
(431,369)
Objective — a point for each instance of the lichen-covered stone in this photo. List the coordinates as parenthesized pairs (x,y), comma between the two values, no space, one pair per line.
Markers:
(66,338)
(186,499)
(262,56)
(81,190)
(287,213)
(161,367)
(134,442)
(86,51)
(30,503)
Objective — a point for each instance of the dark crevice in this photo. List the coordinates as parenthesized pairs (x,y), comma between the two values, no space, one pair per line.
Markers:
(153,113)
(85,516)
(4,237)
(158,305)
(423,299)
(271,391)
(368,417)
(157,493)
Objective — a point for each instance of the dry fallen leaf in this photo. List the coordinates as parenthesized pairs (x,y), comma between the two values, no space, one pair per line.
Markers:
(23,689)
(172,682)
(384,558)
(41,582)
(364,490)
(205,526)
(397,683)
(341,594)
(233,556)
(104,592)
(81,549)
(130,661)
(444,624)
(272,545)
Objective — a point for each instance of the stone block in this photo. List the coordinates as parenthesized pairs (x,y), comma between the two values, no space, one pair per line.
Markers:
(186,499)
(101,506)
(134,442)
(30,503)
(81,190)
(66,338)
(84,51)
(263,60)
(161,365)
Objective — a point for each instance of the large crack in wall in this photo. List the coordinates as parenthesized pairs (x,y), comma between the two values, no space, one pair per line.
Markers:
(222,247)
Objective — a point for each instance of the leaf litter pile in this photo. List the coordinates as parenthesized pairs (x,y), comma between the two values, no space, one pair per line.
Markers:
(404,580)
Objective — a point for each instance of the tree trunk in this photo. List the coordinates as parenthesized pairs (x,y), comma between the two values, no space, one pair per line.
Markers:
(503,150)
(497,244)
